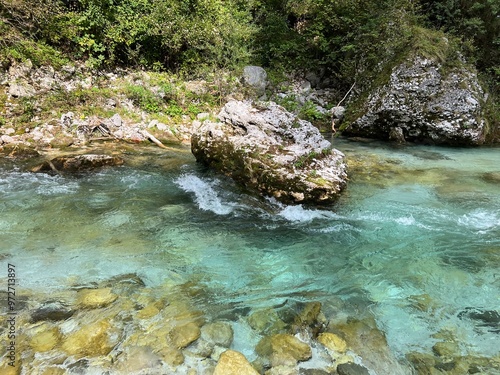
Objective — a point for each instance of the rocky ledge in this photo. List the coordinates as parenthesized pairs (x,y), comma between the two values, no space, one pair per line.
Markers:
(266,148)
(424,102)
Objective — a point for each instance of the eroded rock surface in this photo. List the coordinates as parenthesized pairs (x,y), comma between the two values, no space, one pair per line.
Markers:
(266,148)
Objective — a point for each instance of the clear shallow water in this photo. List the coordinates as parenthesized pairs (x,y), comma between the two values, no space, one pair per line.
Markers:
(415,240)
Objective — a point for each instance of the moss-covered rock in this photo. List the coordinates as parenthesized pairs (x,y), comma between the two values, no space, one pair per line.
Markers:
(425,99)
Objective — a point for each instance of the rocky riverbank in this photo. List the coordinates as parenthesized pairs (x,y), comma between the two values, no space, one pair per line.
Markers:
(122,326)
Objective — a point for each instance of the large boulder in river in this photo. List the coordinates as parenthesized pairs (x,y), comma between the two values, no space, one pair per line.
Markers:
(266,148)
(424,101)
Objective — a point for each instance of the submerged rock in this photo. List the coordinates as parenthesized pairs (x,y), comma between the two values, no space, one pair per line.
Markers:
(333,342)
(53,310)
(425,102)
(352,369)
(233,362)
(78,163)
(283,349)
(219,333)
(95,298)
(91,340)
(269,149)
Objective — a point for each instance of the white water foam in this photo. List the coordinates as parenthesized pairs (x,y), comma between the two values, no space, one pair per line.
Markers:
(205,193)
(301,214)
(480,220)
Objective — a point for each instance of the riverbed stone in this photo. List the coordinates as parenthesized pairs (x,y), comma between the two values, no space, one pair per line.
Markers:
(52,310)
(308,315)
(232,362)
(183,335)
(138,358)
(332,342)
(220,333)
(90,340)
(148,312)
(95,298)
(352,369)
(6,369)
(369,342)
(266,322)
(54,371)
(446,349)
(283,348)
(493,177)
(283,370)
(46,339)
(172,356)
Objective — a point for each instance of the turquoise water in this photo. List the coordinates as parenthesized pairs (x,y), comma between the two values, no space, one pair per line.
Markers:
(416,224)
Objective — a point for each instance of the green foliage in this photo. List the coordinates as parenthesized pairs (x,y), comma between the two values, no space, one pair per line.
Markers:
(143,98)
(289,102)
(347,38)
(309,112)
(187,35)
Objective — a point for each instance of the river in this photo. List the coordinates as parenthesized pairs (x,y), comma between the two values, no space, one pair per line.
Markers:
(413,242)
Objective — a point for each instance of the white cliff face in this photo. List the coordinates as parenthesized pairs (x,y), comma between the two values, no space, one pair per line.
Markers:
(269,149)
(426,105)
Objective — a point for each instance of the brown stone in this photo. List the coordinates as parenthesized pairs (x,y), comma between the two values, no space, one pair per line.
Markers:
(45,340)
(95,298)
(148,312)
(172,356)
(234,363)
(54,371)
(182,336)
(284,345)
(447,349)
(333,342)
(308,316)
(89,341)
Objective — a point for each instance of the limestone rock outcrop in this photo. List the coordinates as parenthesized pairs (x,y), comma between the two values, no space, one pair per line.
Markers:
(423,101)
(268,149)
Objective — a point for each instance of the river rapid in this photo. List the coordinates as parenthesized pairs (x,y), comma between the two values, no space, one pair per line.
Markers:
(413,243)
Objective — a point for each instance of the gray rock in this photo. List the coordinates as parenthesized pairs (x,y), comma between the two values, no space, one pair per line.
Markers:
(269,149)
(219,333)
(6,139)
(255,77)
(338,112)
(203,116)
(116,120)
(352,369)
(53,310)
(396,134)
(67,119)
(21,90)
(425,105)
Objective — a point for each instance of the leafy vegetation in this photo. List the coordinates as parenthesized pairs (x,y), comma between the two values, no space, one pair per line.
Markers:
(345,40)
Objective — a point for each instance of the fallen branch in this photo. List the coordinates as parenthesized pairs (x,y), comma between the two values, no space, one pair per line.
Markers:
(153,139)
